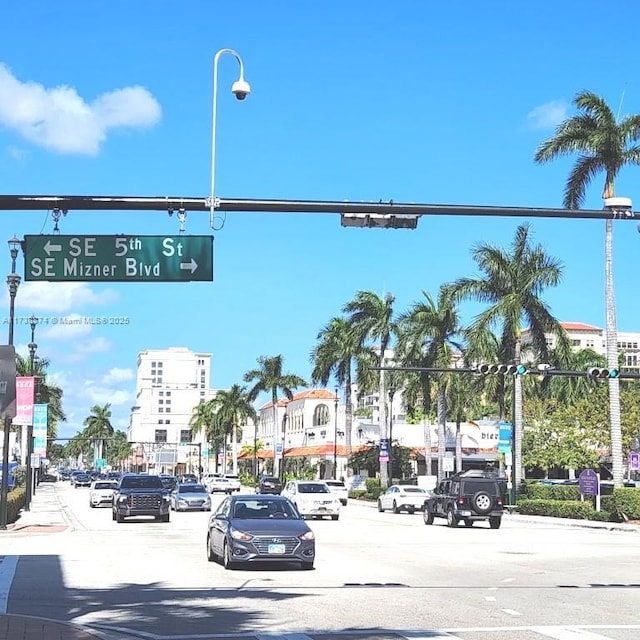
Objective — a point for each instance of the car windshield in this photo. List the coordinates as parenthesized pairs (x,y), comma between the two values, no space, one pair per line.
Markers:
(256,509)
(336,483)
(191,488)
(141,482)
(105,485)
(231,477)
(313,487)
(269,479)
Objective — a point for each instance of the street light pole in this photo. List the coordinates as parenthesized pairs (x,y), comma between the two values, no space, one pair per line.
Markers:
(241,90)
(255,450)
(13,282)
(335,437)
(33,322)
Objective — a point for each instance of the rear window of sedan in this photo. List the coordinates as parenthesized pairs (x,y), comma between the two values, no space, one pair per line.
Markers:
(313,487)
(412,490)
(105,485)
(191,488)
(336,483)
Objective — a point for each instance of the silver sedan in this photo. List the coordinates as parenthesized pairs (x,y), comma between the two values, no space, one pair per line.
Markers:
(190,497)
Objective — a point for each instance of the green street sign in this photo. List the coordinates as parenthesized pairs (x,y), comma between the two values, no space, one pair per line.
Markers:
(118,258)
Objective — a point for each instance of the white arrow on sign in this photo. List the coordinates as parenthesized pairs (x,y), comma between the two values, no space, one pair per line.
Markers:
(192,265)
(52,247)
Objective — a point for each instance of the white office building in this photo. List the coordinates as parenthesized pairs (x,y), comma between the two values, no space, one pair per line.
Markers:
(169,384)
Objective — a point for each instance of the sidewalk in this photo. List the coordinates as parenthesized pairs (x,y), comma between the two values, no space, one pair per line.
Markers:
(46,513)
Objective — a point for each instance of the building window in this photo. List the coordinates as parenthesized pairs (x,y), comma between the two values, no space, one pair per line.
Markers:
(321,415)
(161,436)
(161,401)
(575,343)
(153,372)
(202,393)
(167,421)
(168,410)
(185,436)
(160,393)
(160,421)
(200,362)
(159,365)
(160,410)
(168,402)
(168,393)
(153,365)
(201,400)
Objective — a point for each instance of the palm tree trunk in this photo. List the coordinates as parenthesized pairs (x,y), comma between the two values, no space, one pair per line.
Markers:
(458,445)
(348,417)
(427,446)
(276,460)
(382,419)
(234,447)
(517,420)
(612,359)
(442,417)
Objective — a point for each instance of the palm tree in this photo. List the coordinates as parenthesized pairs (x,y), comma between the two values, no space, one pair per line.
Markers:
(432,327)
(49,394)
(98,427)
(334,354)
(269,378)
(371,319)
(204,418)
(604,144)
(234,409)
(511,283)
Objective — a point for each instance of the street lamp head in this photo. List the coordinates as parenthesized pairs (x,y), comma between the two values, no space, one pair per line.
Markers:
(14,245)
(33,322)
(240,89)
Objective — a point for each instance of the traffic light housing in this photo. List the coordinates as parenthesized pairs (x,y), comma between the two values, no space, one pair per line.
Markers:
(602,372)
(509,369)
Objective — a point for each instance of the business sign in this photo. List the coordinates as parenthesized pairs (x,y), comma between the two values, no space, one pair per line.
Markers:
(118,258)
(634,461)
(505,431)
(12,468)
(589,483)
(25,389)
(40,414)
(7,381)
(383,455)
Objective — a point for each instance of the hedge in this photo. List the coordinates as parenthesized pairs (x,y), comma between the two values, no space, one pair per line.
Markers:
(551,492)
(557,508)
(624,503)
(15,502)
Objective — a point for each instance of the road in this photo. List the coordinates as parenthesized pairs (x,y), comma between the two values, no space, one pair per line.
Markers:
(373,571)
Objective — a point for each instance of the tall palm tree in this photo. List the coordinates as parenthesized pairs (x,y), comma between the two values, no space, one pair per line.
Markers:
(371,319)
(604,144)
(204,418)
(334,354)
(46,393)
(269,378)
(432,328)
(234,409)
(511,283)
(98,427)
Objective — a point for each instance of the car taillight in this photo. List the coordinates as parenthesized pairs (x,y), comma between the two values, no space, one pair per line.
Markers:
(460,500)
(403,495)
(499,501)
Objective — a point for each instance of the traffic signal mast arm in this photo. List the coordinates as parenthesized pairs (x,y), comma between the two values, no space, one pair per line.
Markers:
(484,369)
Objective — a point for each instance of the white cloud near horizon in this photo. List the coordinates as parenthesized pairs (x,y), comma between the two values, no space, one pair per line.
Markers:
(116,375)
(60,120)
(60,297)
(548,115)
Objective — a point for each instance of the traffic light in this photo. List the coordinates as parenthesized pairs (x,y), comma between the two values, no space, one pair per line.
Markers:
(509,369)
(380,220)
(602,372)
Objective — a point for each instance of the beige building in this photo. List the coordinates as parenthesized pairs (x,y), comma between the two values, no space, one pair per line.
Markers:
(169,384)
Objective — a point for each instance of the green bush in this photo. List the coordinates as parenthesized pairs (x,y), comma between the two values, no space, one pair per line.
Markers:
(551,491)
(626,503)
(247,479)
(15,502)
(601,516)
(357,494)
(556,508)
(373,488)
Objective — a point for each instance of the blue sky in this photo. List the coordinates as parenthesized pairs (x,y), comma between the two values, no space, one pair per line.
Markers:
(366,100)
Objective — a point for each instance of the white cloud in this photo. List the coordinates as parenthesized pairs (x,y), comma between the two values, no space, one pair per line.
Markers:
(116,375)
(61,296)
(99,394)
(60,120)
(548,115)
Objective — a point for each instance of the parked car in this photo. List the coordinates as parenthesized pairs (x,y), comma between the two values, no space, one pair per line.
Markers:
(312,498)
(269,485)
(190,496)
(81,480)
(468,496)
(234,481)
(102,492)
(339,488)
(403,497)
(220,485)
(249,528)
(208,477)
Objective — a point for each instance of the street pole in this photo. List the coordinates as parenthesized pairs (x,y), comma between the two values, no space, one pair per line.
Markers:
(335,438)
(284,441)
(30,484)
(255,450)
(513,442)
(390,463)
(13,281)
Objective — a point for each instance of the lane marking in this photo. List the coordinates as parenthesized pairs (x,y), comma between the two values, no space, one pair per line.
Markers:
(282,636)
(490,598)
(568,633)
(512,612)
(7,572)
(509,580)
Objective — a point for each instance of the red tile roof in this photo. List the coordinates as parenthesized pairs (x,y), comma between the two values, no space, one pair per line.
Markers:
(310,394)
(579,326)
(310,451)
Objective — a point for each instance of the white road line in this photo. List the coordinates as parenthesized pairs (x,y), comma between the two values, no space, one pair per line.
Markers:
(568,633)
(509,580)
(512,612)
(429,635)
(7,571)
(490,598)
(282,636)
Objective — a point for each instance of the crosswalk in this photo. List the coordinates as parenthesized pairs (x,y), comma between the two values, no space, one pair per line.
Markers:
(569,632)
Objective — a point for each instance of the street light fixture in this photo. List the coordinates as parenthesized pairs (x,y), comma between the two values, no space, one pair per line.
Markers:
(335,437)
(241,89)
(13,282)
(30,484)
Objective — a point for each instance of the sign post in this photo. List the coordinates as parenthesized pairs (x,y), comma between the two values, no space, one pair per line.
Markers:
(118,258)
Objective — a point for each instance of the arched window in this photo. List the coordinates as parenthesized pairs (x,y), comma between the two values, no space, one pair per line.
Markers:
(321,415)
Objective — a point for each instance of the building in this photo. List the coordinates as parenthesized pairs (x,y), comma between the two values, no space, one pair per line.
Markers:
(169,384)
(587,336)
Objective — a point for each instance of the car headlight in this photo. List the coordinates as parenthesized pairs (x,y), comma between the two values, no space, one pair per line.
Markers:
(236,534)
(166,498)
(122,498)
(307,536)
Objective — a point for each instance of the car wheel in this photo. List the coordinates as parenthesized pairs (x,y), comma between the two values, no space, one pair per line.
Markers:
(482,502)
(380,509)
(119,518)
(164,518)
(113,515)
(307,566)
(452,521)
(427,516)
(91,504)
(495,522)
(468,523)
(344,503)
(411,510)
(395,507)
(334,517)
(226,557)
(211,556)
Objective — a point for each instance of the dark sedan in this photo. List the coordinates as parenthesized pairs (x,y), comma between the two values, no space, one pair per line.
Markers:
(269,484)
(257,528)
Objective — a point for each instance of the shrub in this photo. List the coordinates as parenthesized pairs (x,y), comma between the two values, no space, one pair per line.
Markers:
(626,503)
(556,508)
(551,492)
(247,479)
(601,516)
(357,494)
(373,488)
(15,502)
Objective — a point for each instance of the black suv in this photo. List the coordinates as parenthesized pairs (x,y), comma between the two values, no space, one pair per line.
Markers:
(140,495)
(468,496)
(269,484)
